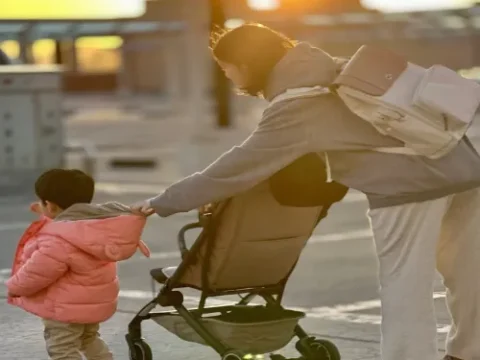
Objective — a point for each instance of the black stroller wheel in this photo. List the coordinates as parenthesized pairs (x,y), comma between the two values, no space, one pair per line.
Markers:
(325,349)
(140,350)
(233,355)
(316,349)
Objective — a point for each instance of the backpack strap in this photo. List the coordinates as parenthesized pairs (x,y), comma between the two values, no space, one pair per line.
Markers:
(397,150)
(297,93)
(306,92)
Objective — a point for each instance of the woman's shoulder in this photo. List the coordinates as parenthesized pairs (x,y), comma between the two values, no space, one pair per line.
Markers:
(305,108)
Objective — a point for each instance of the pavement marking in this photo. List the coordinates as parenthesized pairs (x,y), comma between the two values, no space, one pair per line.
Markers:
(159,256)
(4,272)
(341,236)
(145,189)
(150,189)
(22,225)
(315,239)
(354,197)
(128,188)
(341,313)
(366,305)
(14,226)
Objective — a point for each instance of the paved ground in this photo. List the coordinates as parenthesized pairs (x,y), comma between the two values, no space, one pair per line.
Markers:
(24,341)
(334,283)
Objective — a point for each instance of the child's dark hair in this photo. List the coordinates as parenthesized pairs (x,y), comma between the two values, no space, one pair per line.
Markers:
(65,187)
(254,47)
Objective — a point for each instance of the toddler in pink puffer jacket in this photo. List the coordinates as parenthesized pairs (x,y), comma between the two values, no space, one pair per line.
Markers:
(65,267)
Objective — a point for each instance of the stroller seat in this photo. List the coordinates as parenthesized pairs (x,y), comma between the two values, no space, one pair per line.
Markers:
(248,246)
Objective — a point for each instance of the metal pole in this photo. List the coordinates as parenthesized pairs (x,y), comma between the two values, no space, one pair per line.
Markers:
(196,121)
(221,84)
(123,85)
(25,46)
(58,53)
(89,158)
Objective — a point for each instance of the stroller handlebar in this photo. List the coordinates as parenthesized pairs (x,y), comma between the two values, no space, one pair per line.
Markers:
(204,217)
(182,245)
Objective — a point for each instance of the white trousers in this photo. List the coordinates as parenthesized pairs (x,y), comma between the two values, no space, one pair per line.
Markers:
(411,241)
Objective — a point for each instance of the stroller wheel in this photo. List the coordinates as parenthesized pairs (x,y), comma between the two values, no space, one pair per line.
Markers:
(140,350)
(232,355)
(316,349)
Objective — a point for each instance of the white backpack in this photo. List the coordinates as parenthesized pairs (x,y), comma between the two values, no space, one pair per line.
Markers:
(429,110)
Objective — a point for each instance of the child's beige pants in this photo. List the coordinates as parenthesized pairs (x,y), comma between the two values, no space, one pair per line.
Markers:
(411,240)
(69,341)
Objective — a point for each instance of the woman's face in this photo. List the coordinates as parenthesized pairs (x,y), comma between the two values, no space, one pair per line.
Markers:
(236,74)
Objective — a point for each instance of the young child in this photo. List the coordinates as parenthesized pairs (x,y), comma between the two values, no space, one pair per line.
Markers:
(65,265)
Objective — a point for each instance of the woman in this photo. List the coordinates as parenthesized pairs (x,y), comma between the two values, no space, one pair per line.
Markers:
(424,213)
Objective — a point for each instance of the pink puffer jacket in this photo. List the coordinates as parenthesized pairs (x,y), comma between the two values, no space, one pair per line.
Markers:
(65,269)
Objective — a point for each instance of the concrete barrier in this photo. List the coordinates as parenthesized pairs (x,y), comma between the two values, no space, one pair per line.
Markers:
(133,163)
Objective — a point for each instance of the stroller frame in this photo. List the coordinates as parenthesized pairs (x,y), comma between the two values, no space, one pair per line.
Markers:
(302,184)
(168,296)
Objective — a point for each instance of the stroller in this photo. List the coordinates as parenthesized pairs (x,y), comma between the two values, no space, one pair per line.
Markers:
(248,246)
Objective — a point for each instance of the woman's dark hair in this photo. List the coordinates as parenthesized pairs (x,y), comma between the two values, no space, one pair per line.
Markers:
(65,187)
(254,47)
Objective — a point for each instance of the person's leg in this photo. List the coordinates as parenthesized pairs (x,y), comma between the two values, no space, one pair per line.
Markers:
(458,261)
(406,237)
(93,347)
(63,340)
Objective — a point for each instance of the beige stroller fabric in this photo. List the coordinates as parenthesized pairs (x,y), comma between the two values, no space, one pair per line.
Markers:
(256,242)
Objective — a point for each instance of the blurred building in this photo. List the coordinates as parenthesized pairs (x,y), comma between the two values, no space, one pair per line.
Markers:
(448,37)
(147,54)
(92,51)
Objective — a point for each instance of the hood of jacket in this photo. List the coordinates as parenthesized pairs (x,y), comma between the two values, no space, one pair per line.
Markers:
(109,232)
(303,66)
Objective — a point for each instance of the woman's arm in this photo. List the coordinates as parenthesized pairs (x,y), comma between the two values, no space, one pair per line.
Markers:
(280,138)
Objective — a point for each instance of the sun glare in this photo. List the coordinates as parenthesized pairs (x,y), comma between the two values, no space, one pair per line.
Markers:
(71,9)
(263,4)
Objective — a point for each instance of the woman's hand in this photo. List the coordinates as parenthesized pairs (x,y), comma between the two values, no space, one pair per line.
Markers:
(205,209)
(142,208)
